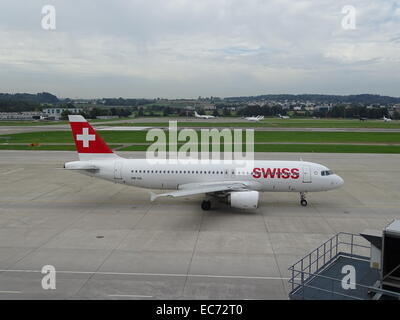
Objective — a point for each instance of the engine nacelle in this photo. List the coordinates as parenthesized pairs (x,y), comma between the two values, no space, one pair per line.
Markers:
(244,199)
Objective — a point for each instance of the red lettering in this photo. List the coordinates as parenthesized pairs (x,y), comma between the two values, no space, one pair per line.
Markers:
(278,173)
(295,173)
(256,173)
(268,172)
(285,173)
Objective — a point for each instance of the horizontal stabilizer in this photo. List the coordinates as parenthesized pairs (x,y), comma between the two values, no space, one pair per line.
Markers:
(80,165)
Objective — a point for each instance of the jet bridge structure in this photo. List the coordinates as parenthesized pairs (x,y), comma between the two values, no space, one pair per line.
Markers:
(351,267)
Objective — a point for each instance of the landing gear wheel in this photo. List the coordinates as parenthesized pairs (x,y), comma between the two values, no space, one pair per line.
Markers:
(206,205)
(303,200)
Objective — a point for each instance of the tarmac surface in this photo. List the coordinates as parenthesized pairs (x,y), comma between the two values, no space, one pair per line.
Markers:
(108,241)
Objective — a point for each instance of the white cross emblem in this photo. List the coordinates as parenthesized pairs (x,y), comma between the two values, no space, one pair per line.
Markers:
(85,137)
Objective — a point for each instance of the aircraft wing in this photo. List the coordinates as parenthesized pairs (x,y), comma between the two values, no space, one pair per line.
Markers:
(193,189)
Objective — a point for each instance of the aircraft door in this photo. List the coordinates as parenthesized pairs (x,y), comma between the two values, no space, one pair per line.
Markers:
(306,174)
(118,169)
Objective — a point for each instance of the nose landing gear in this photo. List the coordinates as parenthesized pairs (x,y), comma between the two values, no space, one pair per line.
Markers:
(303,200)
(206,205)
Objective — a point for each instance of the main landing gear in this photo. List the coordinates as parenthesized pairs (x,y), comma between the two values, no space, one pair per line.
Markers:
(303,200)
(206,205)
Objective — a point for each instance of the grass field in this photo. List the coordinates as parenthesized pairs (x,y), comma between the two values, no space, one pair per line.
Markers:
(292,141)
(30,123)
(318,148)
(260,136)
(43,147)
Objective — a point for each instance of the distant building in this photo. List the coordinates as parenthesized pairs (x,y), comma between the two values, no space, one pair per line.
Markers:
(394,109)
(26,115)
(209,107)
(56,112)
(322,108)
(107,117)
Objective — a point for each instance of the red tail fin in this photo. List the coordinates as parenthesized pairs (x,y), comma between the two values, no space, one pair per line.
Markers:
(88,143)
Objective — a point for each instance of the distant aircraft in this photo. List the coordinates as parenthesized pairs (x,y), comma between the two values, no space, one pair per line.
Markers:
(386,119)
(223,181)
(283,117)
(258,118)
(363,119)
(202,116)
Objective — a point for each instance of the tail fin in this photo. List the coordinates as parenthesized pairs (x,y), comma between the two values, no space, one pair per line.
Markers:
(89,144)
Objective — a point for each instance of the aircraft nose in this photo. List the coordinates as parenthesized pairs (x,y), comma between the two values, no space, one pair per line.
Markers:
(336,182)
(339,181)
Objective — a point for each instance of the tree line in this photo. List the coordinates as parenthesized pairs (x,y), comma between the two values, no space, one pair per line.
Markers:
(365,99)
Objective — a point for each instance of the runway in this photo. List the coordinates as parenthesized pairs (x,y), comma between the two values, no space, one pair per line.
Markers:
(109,241)
(106,126)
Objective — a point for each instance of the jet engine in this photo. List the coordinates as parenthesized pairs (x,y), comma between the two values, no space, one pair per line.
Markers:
(244,199)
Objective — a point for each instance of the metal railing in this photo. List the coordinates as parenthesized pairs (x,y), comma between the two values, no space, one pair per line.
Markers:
(310,267)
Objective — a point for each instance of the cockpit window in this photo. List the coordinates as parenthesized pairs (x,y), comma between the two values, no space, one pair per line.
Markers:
(326,173)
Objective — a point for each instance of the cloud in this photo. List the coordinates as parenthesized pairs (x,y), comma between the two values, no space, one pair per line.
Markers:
(187,48)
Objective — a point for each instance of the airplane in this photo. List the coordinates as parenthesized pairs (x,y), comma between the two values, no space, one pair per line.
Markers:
(202,116)
(258,118)
(221,181)
(363,119)
(283,117)
(386,119)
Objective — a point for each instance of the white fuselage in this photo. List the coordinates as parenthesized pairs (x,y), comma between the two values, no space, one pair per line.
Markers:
(278,176)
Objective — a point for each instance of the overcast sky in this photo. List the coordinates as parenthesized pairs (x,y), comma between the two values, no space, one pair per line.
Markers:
(191,48)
